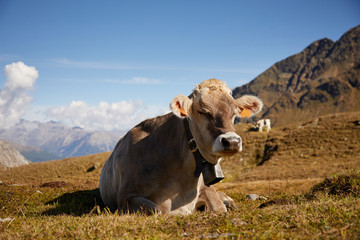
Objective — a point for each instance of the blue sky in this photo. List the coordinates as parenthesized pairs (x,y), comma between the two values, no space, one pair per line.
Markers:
(114,63)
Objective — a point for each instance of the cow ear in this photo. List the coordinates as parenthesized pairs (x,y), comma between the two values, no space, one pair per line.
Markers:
(180,106)
(249,105)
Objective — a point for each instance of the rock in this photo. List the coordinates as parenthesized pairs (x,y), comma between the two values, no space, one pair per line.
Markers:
(252,197)
(94,167)
(5,220)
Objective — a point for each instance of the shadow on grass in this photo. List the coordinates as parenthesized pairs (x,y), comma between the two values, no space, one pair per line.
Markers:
(76,203)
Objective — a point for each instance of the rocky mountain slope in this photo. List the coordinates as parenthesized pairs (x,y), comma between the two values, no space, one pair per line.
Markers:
(324,78)
(10,157)
(58,139)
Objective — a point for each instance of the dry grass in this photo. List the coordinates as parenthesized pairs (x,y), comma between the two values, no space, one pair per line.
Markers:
(38,214)
(314,149)
(287,165)
(70,170)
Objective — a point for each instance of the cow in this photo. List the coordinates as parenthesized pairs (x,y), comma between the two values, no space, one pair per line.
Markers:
(153,168)
(263,122)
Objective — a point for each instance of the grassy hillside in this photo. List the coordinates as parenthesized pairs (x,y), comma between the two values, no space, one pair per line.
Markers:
(292,167)
(73,171)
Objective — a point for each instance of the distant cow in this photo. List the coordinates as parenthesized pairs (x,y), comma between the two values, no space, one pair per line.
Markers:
(263,122)
(153,168)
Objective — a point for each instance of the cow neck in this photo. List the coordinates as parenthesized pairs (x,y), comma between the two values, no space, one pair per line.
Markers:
(199,159)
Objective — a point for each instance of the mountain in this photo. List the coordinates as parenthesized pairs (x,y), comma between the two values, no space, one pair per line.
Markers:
(34,154)
(324,78)
(10,157)
(58,139)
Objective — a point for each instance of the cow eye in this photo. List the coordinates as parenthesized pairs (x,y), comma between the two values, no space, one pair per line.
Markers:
(205,114)
(234,119)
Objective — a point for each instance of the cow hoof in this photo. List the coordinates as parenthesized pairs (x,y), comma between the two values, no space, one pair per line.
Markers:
(228,201)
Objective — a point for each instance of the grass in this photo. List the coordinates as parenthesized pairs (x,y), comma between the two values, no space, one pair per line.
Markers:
(347,183)
(47,213)
(308,172)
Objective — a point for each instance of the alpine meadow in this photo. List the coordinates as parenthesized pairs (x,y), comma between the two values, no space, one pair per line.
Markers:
(300,180)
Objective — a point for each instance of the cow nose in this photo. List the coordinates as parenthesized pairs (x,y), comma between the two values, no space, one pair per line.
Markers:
(229,143)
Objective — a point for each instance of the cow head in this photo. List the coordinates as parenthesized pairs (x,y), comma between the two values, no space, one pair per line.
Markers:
(211,111)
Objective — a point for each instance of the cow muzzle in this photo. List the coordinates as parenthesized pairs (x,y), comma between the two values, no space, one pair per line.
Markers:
(228,143)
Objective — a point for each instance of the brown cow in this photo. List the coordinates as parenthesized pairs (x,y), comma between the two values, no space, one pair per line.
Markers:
(152,167)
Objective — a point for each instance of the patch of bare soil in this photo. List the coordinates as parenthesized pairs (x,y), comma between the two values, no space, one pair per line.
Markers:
(55,184)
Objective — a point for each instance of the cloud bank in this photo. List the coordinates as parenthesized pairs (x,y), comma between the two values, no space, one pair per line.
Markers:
(15,104)
(14,97)
(105,116)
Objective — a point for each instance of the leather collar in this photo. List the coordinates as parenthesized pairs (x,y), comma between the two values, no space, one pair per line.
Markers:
(199,159)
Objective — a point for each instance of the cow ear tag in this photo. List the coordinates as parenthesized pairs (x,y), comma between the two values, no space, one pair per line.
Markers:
(245,113)
(183,111)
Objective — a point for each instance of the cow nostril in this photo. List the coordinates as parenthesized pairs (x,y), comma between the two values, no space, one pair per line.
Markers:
(225,142)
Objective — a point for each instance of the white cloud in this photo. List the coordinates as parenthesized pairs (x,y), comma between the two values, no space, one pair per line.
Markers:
(105,116)
(142,80)
(14,98)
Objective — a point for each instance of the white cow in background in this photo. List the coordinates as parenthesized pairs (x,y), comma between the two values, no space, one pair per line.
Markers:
(263,122)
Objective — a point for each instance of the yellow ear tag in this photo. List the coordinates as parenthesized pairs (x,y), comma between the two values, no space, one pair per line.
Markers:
(245,113)
(182,111)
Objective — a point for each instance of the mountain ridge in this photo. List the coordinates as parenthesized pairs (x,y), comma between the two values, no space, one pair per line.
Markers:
(323,78)
(34,154)
(58,139)
(10,157)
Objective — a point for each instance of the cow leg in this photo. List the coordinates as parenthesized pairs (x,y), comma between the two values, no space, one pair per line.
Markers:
(268,128)
(141,205)
(209,200)
(212,201)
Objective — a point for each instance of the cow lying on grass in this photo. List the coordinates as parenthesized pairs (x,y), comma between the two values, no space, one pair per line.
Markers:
(153,168)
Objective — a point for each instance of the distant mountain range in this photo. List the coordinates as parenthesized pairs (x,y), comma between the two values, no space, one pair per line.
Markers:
(34,154)
(49,141)
(324,78)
